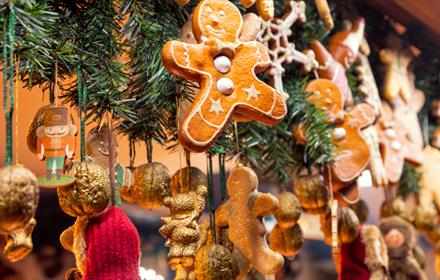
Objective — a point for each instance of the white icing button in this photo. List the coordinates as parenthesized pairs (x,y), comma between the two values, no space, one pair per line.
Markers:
(222,64)
(390,133)
(396,145)
(339,133)
(225,86)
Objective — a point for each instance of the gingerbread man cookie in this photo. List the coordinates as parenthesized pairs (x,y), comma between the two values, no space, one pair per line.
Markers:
(338,57)
(395,146)
(265,8)
(226,70)
(397,80)
(352,154)
(243,213)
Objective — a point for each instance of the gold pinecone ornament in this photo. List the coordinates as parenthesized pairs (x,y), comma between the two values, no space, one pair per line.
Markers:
(213,262)
(151,184)
(91,192)
(19,195)
(312,194)
(181,183)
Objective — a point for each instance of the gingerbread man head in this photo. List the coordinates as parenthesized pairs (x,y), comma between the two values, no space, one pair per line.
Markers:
(225,68)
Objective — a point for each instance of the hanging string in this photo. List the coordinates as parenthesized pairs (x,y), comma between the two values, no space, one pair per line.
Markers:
(82,104)
(188,166)
(132,153)
(17,160)
(237,143)
(111,158)
(8,53)
(222,174)
(53,84)
(149,147)
(211,196)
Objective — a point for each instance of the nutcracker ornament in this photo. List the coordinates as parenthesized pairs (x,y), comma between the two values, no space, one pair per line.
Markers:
(98,151)
(55,142)
(339,55)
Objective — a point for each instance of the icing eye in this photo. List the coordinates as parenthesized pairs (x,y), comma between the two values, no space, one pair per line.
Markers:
(208,10)
(221,13)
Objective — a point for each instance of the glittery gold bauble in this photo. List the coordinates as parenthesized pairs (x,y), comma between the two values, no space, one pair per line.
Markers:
(348,224)
(213,262)
(289,210)
(312,193)
(180,183)
(286,241)
(395,207)
(91,192)
(151,185)
(19,194)
(425,217)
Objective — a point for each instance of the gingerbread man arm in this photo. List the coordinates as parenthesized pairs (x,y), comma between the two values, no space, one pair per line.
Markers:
(265,204)
(363,114)
(180,58)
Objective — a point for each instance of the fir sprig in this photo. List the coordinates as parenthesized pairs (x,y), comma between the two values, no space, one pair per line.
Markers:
(409,182)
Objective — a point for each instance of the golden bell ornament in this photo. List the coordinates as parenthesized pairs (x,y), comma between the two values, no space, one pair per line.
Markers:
(151,185)
(213,262)
(312,193)
(348,224)
(181,183)
(19,195)
(90,194)
(286,241)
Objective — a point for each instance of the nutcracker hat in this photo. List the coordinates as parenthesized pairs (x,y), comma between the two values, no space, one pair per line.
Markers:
(56,115)
(113,247)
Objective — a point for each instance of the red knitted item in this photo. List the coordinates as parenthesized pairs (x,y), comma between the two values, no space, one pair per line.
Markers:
(352,256)
(113,247)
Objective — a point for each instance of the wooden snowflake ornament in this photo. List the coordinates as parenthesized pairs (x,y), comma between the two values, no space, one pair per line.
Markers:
(275,35)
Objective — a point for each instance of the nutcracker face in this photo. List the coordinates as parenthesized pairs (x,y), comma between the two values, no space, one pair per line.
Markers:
(56,130)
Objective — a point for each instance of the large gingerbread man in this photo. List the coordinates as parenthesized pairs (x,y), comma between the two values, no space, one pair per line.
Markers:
(225,68)
(243,213)
(395,146)
(339,56)
(352,150)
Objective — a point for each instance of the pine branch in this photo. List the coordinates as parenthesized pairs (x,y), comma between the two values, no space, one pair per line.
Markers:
(409,182)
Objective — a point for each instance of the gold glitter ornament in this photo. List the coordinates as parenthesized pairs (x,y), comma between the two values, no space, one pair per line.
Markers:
(395,207)
(181,230)
(180,183)
(289,210)
(150,187)
(348,224)
(90,194)
(19,195)
(312,193)
(286,241)
(213,262)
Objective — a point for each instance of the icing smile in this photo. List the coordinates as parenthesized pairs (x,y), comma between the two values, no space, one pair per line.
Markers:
(216,31)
